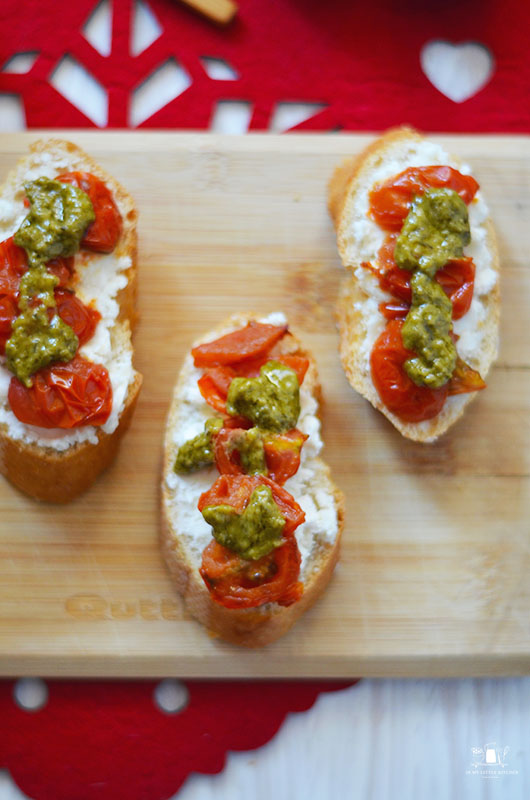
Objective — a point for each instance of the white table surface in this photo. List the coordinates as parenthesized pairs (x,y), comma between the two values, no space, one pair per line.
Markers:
(378,740)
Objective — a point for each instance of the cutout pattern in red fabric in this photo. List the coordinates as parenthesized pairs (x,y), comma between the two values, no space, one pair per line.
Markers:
(361,62)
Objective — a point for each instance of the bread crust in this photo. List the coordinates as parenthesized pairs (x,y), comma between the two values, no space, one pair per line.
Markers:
(253,627)
(341,199)
(44,473)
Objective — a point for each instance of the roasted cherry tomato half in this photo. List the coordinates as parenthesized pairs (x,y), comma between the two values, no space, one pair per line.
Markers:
(457,279)
(214,385)
(13,264)
(252,341)
(227,457)
(64,396)
(62,268)
(8,312)
(390,201)
(235,582)
(465,379)
(282,454)
(102,234)
(81,318)
(409,402)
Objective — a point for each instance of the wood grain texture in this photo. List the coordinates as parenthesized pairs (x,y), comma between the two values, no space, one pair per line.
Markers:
(433,576)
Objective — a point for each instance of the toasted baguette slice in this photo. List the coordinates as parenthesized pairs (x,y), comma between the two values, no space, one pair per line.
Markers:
(359,239)
(57,465)
(185,534)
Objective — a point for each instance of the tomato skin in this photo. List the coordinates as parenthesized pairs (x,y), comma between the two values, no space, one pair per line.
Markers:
(392,279)
(227,460)
(282,453)
(81,318)
(394,310)
(62,268)
(102,234)
(13,264)
(409,402)
(465,379)
(252,341)
(234,582)
(396,282)
(64,396)
(390,201)
(8,312)
(214,385)
(457,279)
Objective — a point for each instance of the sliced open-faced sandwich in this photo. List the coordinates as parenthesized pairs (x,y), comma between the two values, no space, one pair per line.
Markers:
(419,308)
(251,518)
(67,293)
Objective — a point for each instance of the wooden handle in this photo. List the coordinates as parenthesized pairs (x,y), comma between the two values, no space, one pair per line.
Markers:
(221,11)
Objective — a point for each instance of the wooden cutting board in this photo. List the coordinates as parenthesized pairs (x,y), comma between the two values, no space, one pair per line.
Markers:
(435,562)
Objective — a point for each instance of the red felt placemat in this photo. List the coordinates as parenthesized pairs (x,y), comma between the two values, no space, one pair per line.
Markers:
(107,740)
(361,61)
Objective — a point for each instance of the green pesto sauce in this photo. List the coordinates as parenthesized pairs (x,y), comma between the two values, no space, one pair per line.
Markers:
(436,230)
(426,331)
(252,452)
(58,217)
(253,533)
(35,342)
(199,451)
(271,401)
(250,446)
(37,284)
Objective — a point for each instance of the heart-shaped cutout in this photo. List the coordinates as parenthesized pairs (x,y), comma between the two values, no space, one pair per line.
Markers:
(457,70)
